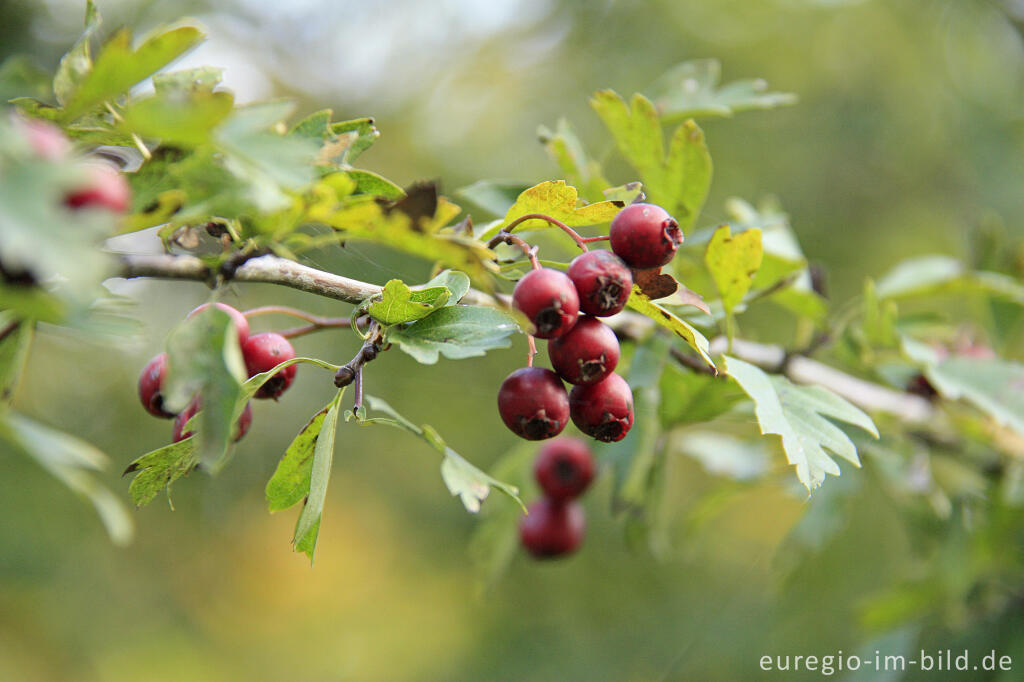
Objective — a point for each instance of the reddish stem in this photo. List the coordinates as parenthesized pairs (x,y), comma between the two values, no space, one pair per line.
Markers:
(316,323)
(504,237)
(580,241)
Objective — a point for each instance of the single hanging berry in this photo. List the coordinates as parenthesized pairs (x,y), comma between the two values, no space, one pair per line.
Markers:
(151,383)
(262,353)
(564,468)
(603,282)
(645,236)
(533,403)
(587,353)
(549,300)
(552,529)
(603,410)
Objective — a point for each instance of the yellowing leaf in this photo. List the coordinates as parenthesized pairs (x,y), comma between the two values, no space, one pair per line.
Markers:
(400,304)
(733,261)
(561,202)
(645,306)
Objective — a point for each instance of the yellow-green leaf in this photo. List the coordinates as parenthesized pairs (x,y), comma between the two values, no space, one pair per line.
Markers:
(645,306)
(561,202)
(400,304)
(733,261)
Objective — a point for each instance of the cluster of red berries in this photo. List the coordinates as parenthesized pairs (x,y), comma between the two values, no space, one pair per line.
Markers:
(532,401)
(103,187)
(554,526)
(261,352)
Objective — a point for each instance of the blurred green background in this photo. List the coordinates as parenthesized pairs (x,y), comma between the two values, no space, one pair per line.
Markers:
(908,133)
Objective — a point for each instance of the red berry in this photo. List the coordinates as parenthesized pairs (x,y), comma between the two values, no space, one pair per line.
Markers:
(262,353)
(603,282)
(587,353)
(47,140)
(645,236)
(241,324)
(564,468)
(552,529)
(241,427)
(548,298)
(105,188)
(151,383)
(533,403)
(603,410)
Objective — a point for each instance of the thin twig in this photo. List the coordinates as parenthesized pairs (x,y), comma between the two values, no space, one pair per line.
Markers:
(504,237)
(532,343)
(580,241)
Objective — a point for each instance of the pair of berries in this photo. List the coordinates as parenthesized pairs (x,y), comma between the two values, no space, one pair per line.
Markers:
(261,352)
(555,523)
(102,186)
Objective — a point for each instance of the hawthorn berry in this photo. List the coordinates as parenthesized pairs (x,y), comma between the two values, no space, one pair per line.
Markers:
(151,383)
(564,468)
(241,426)
(104,187)
(262,353)
(603,282)
(548,298)
(603,410)
(552,529)
(587,353)
(533,403)
(645,236)
(241,324)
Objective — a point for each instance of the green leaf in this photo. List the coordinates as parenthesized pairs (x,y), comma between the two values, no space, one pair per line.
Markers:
(679,179)
(692,89)
(77,63)
(307,529)
(21,77)
(993,385)
(563,145)
(186,120)
(187,82)
(645,306)
(204,359)
(627,194)
(268,162)
(462,479)
(733,261)
(495,539)
(361,133)
(290,482)
(118,67)
(160,468)
(936,274)
(72,461)
(797,414)
(456,282)
(455,332)
(14,347)
(561,202)
(254,382)
(375,185)
(400,304)
(689,397)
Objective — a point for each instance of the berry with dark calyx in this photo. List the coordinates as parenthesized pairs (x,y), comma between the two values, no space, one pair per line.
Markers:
(104,188)
(552,529)
(151,383)
(548,298)
(587,353)
(603,410)
(241,324)
(533,403)
(603,282)
(241,426)
(262,353)
(564,468)
(645,236)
